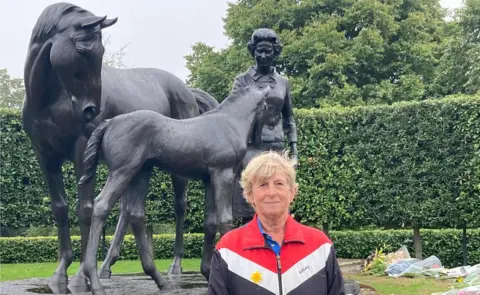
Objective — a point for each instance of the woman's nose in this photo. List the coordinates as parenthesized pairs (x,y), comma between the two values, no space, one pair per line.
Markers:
(271,190)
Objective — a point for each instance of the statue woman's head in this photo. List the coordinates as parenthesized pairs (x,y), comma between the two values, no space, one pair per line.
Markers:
(264,46)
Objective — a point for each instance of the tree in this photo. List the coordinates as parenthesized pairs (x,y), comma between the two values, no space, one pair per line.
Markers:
(459,69)
(215,70)
(12,90)
(336,52)
(113,58)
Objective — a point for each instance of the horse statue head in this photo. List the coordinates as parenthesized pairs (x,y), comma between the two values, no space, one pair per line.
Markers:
(67,42)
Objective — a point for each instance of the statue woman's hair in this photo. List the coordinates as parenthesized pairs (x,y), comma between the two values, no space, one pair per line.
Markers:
(264,34)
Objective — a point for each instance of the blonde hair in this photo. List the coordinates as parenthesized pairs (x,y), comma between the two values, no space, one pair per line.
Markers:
(263,166)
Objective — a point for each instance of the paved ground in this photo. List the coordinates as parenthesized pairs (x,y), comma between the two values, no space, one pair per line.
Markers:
(189,283)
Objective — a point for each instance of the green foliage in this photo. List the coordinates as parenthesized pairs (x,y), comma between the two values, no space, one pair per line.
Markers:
(445,244)
(11,91)
(411,163)
(45,249)
(216,70)
(400,165)
(459,70)
(378,264)
(113,58)
(24,193)
(335,52)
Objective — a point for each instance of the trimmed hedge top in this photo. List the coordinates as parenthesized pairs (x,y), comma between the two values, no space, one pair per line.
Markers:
(445,244)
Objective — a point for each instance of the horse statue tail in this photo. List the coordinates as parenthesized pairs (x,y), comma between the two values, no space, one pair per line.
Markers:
(90,160)
(205,101)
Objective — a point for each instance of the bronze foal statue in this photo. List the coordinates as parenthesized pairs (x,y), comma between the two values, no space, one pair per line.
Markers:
(209,147)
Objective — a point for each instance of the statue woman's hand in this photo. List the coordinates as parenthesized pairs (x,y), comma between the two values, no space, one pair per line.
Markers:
(293,150)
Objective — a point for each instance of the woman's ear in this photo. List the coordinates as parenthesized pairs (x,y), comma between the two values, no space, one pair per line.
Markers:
(294,191)
(249,196)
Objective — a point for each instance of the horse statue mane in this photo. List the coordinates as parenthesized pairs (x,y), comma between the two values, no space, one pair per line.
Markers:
(48,20)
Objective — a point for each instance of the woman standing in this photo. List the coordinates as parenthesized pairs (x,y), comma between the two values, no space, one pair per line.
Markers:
(273,253)
(265,47)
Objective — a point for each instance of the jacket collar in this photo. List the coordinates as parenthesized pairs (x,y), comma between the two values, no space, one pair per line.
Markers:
(254,238)
(255,75)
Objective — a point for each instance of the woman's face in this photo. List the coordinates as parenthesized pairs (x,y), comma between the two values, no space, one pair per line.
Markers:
(264,54)
(272,197)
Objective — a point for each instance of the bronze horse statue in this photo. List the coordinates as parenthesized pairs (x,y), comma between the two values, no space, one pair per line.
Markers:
(209,148)
(68,92)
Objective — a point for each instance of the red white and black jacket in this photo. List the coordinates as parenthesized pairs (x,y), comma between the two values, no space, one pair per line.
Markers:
(243,263)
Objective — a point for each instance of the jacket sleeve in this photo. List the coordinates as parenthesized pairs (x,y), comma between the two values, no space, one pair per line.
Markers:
(336,285)
(237,83)
(287,114)
(218,278)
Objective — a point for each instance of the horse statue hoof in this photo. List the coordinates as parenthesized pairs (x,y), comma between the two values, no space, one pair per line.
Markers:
(174,269)
(58,279)
(105,274)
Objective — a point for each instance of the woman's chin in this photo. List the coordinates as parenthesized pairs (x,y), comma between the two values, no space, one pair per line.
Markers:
(273,213)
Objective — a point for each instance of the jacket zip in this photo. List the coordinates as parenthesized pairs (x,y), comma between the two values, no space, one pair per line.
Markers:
(279,272)
(279,265)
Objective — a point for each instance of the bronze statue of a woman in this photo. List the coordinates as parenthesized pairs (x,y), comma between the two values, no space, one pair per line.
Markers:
(265,47)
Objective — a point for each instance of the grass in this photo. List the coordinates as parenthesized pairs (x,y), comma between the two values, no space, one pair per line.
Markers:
(19,271)
(403,286)
(384,285)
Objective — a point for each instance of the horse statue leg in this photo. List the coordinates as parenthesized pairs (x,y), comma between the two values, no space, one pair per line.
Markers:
(180,199)
(84,208)
(113,253)
(209,228)
(52,172)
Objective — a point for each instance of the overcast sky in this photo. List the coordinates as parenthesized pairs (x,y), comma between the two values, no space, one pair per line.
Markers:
(160,32)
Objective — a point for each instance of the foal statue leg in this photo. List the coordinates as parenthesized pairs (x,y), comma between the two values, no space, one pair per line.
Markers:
(180,200)
(210,229)
(52,171)
(136,191)
(218,211)
(115,186)
(105,271)
(223,194)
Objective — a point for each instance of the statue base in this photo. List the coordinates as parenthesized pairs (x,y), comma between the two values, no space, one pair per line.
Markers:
(189,283)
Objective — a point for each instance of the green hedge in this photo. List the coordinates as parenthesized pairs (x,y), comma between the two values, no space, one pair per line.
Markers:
(411,163)
(445,244)
(414,163)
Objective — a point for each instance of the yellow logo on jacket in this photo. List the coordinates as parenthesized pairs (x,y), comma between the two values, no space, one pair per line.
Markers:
(256,277)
